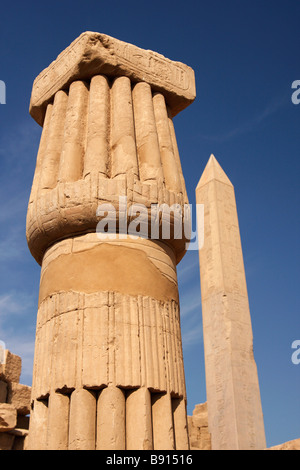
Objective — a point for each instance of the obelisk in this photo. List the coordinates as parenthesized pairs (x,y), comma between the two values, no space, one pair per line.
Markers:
(235,417)
(108,364)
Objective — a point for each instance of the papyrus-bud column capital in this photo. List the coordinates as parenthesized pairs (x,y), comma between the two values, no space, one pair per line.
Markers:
(108,349)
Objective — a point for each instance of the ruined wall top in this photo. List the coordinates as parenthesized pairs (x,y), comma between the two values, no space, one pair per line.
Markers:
(95,53)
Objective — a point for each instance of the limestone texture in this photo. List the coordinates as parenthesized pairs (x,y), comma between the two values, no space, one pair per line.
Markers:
(200,438)
(289,445)
(96,53)
(10,369)
(8,417)
(235,418)
(14,404)
(108,364)
(104,140)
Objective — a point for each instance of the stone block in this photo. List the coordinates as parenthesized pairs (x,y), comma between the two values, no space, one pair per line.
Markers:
(10,370)
(8,417)
(6,441)
(22,422)
(19,396)
(200,438)
(205,439)
(200,418)
(19,443)
(96,53)
(289,445)
(3,391)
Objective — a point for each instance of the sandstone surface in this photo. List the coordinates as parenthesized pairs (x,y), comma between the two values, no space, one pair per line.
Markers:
(235,418)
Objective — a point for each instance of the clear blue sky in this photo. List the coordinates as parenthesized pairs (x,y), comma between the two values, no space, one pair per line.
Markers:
(245,55)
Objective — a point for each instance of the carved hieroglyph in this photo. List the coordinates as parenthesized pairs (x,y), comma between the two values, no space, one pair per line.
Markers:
(108,366)
(235,416)
(95,53)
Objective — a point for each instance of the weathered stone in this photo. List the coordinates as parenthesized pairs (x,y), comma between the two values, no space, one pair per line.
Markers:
(180,424)
(22,422)
(19,397)
(19,432)
(58,419)
(70,182)
(162,422)
(200,438)
(3,391)
(82,429)
(37,437)
(205,439)
(108,327)
(139,436)
(95,53)
(19,443)
(235,418)
(111,433)
(200,418)
(11,368)
(8,417)
(289,445)
(6,441)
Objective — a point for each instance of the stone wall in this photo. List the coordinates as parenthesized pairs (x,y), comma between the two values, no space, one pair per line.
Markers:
(200,438)
(290,445)
(198,428)
(14,404)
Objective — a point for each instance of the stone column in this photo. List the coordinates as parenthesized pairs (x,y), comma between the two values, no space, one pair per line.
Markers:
(235,416)
(108,353)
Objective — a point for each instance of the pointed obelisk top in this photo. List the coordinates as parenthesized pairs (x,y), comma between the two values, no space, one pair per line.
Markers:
(213,171)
